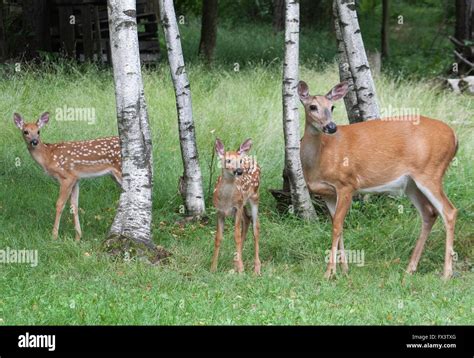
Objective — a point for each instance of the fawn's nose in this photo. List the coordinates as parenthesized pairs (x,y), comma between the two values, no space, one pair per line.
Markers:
(239,171)
(34,142)
(330,128)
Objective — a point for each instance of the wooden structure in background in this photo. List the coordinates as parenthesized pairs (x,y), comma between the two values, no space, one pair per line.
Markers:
(79,28)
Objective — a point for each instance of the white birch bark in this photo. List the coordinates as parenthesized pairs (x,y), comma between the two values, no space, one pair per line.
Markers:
(193,194)
(350,99)
(358,63)
(300,197)
(134,213)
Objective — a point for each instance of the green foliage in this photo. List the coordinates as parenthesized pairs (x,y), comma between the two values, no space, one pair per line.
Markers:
(76,283)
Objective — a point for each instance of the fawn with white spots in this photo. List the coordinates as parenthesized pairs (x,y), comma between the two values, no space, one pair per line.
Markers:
(68,162)
(396,155)
(235,188)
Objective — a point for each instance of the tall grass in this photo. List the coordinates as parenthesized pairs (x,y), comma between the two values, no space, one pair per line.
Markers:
(233,106)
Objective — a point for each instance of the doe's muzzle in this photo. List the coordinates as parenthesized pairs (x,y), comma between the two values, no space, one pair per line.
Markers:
(330,128)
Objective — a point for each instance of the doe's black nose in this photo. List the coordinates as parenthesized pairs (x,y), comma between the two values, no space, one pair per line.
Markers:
(34,142)
(239,171)
(330,128)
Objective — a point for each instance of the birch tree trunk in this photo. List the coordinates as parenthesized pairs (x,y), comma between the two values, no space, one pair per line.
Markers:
(300,197)
(192,191)
(132,223)
(350,99)
(358,64)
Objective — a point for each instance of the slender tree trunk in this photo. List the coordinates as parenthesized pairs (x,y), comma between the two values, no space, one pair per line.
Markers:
(208,29)
(358,64)
(3,45)
(132,221)
(278,15)
(300,197)
(464,35)
(192,192)
(385,28)
(350,99)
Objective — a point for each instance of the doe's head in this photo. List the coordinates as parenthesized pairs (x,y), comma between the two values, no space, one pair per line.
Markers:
(319,108)
(31,131)
(231,161)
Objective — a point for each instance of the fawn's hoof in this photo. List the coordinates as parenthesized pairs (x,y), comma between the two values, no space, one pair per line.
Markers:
(330,273)
(256,269)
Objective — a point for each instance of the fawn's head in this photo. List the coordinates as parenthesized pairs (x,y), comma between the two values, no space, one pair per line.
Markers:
(231,161)
(319,108)
(31,131)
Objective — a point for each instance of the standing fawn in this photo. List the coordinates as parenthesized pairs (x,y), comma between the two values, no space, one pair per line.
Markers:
(68,162)
(399,155)
(237,186)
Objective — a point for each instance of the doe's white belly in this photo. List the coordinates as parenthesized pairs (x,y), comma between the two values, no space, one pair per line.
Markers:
(396,187)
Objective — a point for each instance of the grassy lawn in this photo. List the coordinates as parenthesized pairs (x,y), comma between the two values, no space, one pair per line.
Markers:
(74,283)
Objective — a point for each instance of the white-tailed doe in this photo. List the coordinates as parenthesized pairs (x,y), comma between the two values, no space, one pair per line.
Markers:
(384,155)
(237,186)
(68,162)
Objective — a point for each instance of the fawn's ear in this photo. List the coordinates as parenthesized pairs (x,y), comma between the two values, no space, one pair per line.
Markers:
(43,120)
(303,91)
(245,146)
(18,121)
(339,91)
(219,148)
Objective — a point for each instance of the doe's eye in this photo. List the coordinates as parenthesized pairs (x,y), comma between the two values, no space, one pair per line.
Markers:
(313,107)
(26,132)
(228,161)
(332,109)
(38,132)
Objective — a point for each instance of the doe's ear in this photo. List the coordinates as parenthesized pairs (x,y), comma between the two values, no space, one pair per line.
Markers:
(43,120)
(338,91)
(245,146)
(219,148)
(303,91)
(18,121)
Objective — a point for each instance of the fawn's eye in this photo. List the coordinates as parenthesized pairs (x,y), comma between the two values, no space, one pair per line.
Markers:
(240,161)
(313,107)
(26,132)
(38,132)
(228,161)
(332,109)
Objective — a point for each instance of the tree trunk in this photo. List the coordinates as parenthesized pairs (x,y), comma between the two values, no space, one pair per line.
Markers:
(350,99)
(208,29)
(36,26)
(464,35)
(132,223)
(278,15)
(3,45)
(300,197)
(357,58)
(385,28)
(193,194)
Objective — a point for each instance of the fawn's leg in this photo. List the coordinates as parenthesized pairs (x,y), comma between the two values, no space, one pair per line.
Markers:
(344,197)
(217,242)
(238,263)
(245,224)
(64,192)
(256,235)
(75,209)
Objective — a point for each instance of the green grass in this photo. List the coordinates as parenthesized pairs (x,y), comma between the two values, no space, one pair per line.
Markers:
(75,283)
